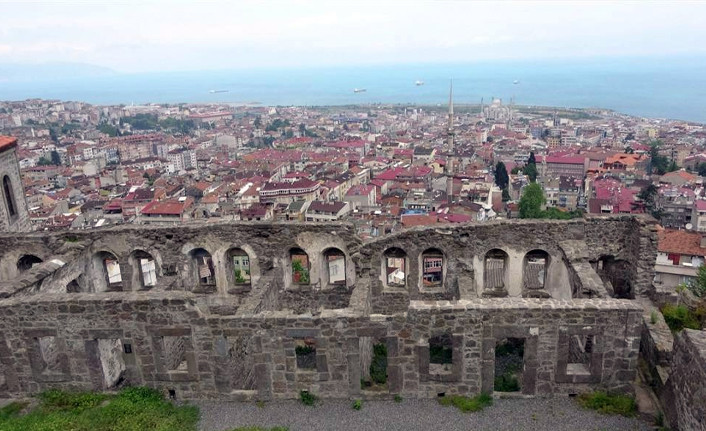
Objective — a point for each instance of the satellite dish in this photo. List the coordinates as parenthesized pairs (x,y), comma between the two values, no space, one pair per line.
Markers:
(689,226)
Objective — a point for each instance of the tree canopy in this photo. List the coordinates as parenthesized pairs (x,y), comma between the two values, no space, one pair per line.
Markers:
(502,179)
(531,201)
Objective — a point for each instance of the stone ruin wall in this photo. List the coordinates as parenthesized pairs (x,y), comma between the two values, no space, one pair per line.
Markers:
(239,342)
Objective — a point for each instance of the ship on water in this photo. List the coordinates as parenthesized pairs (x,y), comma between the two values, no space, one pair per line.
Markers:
(419,83)
(359,90)
(218,91)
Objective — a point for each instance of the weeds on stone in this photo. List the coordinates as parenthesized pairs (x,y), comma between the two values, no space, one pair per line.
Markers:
(307,398)
(398,398)
(260,404)
(506,383)
(357,405)
(653,317)
(467,404)
(606,403)
(679,317)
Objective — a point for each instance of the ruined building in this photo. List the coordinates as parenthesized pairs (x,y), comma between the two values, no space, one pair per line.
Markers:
(260,311)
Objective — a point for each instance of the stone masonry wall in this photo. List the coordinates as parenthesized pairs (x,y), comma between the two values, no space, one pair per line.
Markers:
(240,341)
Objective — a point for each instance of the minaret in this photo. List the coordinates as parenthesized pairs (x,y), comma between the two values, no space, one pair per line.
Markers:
(450,138)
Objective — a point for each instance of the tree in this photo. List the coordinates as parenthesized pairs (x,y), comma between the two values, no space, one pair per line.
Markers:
(258,122)
(531,160)
(501,177)
(531,172)
(702,169)
(659,164)
(506,195)
(55,158)
(648,196)
(532,201)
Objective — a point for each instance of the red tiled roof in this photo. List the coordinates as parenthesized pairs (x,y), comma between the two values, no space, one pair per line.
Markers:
(169,207)
(681,242)
(7,142)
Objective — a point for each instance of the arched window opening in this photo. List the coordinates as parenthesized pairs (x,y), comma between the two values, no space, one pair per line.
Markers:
(9,196)
(432,268)
(147,268)
(107,270)
(300,266)
(335,261)
(240,270)
(27,261)
(396,267)
(494,273)
(535,269)
(204,267)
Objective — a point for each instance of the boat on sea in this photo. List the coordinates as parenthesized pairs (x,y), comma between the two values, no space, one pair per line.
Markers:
(359,90)
(516,82)
(218,91)
(419,83)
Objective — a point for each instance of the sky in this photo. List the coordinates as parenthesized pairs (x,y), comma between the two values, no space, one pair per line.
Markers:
(155,36)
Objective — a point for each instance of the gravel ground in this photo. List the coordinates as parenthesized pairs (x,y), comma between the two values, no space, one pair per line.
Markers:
(506,414)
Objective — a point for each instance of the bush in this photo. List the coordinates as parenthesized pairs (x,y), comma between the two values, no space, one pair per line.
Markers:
(506,383)
(605,403)
(378,365)
(307,398)
(398,398)
(357,405)
(467,404)
(679,317)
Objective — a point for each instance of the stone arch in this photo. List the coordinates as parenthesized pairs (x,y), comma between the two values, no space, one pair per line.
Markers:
(432,270)
(105,270)
(27,261)
(534,269)
(299,266)
(145,269)
(333,272)
(203,270)
(495,272)
(395,267)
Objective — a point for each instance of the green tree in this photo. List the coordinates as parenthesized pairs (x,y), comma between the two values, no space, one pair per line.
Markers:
(501,177)
(55,158)
(659,164)
(506,195)
(702,169)
(44,161)
(648,195)
(531,201)
(531,160)
(531,171)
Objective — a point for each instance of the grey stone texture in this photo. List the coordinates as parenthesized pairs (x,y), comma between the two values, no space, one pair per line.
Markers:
(239,343)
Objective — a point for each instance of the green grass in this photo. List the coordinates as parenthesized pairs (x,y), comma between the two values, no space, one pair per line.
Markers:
(357,405)
(398,398)
(467,404)
(608,404)
(11,410)
(132,409)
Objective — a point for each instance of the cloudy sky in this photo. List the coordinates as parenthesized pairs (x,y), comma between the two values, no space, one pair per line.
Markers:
(178,35)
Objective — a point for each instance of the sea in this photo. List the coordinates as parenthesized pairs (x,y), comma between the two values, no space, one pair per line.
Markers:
(672,88)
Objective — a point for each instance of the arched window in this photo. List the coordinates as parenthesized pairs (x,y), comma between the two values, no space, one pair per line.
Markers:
(395,262)
(27,261)
(432,268)
(239,272)
(494,269)
(534,273)
(204,267)
(300,266)
(335,266)
(107,270)
(9,196)
(147,268)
